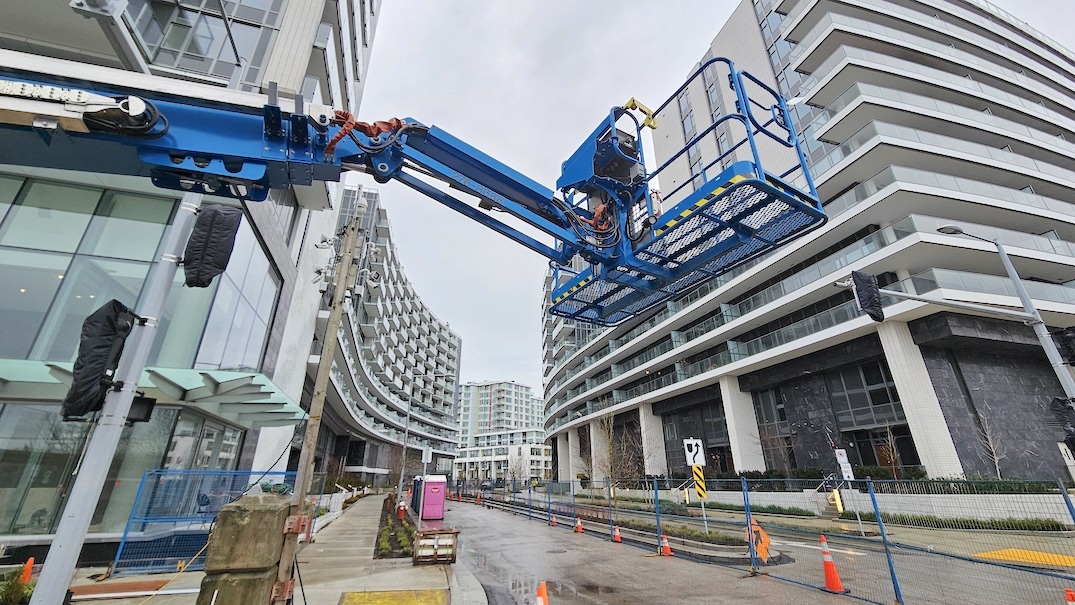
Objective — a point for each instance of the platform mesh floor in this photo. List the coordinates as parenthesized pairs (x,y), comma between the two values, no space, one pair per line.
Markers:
(726,228)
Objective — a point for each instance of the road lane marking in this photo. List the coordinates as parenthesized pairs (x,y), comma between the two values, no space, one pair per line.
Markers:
(852,553)
(396,597)
(1034,557)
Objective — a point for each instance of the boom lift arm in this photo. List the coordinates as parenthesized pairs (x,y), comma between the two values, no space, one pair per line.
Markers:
(603,209)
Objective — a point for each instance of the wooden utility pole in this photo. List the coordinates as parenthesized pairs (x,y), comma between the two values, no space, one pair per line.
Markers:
(344,275)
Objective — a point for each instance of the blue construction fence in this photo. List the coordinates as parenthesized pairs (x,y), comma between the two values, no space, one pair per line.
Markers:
(895,541)
(174,511)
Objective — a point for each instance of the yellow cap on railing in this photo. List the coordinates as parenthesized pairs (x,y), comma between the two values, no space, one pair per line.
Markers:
(651,120)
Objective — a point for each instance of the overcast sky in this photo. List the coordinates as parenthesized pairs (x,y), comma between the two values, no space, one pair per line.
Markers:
(525,81)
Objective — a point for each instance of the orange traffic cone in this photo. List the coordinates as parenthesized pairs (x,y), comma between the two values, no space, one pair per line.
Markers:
(666,550)
(553,521)
(616,534)
(578,526)
(479,498)
(832,579)
(1070,594)
(542,595)
(27,571)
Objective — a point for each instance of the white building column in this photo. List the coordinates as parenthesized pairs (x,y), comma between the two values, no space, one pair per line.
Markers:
(742,426)
(598,451)
(928,427)
(653,455)
(574,455)
(563,458)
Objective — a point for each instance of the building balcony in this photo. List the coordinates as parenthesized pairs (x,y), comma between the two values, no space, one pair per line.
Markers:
(835,31)
(880,145)
(973,34)
(946,283)
(865,103)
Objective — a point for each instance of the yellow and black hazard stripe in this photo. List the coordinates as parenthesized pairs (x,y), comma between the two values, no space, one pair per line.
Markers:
(702,202)
(699,482)
(573,288)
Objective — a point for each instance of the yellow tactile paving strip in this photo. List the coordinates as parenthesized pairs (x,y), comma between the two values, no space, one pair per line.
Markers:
(1031,557)
(396,597)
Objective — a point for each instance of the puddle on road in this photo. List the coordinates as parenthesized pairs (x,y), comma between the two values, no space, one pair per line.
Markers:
(523,586)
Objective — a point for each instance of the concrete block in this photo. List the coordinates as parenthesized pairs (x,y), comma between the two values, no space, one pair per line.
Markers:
(248,536)
(247,587)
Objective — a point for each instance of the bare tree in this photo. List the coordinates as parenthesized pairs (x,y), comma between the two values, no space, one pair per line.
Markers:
(991,447)
(890,451)
(517,468)
(393,460)
(781,446)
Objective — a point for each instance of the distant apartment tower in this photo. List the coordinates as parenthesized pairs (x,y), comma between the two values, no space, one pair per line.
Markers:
(913,114)
(396,369)
(500,435)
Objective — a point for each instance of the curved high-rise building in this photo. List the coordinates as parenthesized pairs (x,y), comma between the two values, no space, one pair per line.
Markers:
(914,114)
(395,373)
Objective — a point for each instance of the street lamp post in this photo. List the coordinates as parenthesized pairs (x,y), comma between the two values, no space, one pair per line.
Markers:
(1035,321)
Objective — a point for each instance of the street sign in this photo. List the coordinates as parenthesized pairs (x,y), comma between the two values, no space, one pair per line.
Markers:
(760,539)
(845,465)
(427,455)
(699,482)
(695,451)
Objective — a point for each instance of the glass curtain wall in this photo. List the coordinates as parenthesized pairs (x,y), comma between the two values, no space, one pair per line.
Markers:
(67,249)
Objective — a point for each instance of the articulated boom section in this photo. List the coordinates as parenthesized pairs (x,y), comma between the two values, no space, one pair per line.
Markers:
(604,210)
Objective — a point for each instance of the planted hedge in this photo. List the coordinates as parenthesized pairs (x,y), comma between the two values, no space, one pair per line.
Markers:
(757,508)
(934,522)
(684,531)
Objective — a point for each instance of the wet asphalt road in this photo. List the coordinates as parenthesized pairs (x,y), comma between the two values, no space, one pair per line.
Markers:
(511,555)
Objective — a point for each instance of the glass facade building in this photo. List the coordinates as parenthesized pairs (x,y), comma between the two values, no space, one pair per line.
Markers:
(228,365)
(66,249)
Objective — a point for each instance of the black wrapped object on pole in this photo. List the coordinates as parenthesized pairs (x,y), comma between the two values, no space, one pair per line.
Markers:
(211,242)
(99,350)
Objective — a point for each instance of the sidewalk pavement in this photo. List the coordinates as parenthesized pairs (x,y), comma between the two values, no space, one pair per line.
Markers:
(339,568)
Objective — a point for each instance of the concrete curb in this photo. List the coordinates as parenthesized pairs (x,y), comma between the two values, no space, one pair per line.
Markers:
(464,587)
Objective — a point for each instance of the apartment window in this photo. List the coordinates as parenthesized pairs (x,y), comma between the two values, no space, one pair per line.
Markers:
(686,115)
(285,209)
(191,35)
(773,430)
(864,396)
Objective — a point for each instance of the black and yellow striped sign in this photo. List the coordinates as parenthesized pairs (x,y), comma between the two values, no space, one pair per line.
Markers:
(699,482)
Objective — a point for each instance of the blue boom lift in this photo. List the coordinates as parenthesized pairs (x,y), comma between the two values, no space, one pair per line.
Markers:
(603,209)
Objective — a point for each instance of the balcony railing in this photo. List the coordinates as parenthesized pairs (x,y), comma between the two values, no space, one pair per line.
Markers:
(929,47)
(969,86)
(917,138)
(960,114)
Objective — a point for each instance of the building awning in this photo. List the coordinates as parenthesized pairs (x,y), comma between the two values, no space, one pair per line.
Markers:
(248,399)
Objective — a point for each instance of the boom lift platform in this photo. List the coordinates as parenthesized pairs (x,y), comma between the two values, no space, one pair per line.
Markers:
(603,209)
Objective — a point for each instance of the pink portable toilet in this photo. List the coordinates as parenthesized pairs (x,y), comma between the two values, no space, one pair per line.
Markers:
(434,491)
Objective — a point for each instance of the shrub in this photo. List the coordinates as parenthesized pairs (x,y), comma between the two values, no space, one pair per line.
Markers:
(757,508)
(807,473)
(13,591)
(384,543)
(873,472)
(684,531)
(931,521)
